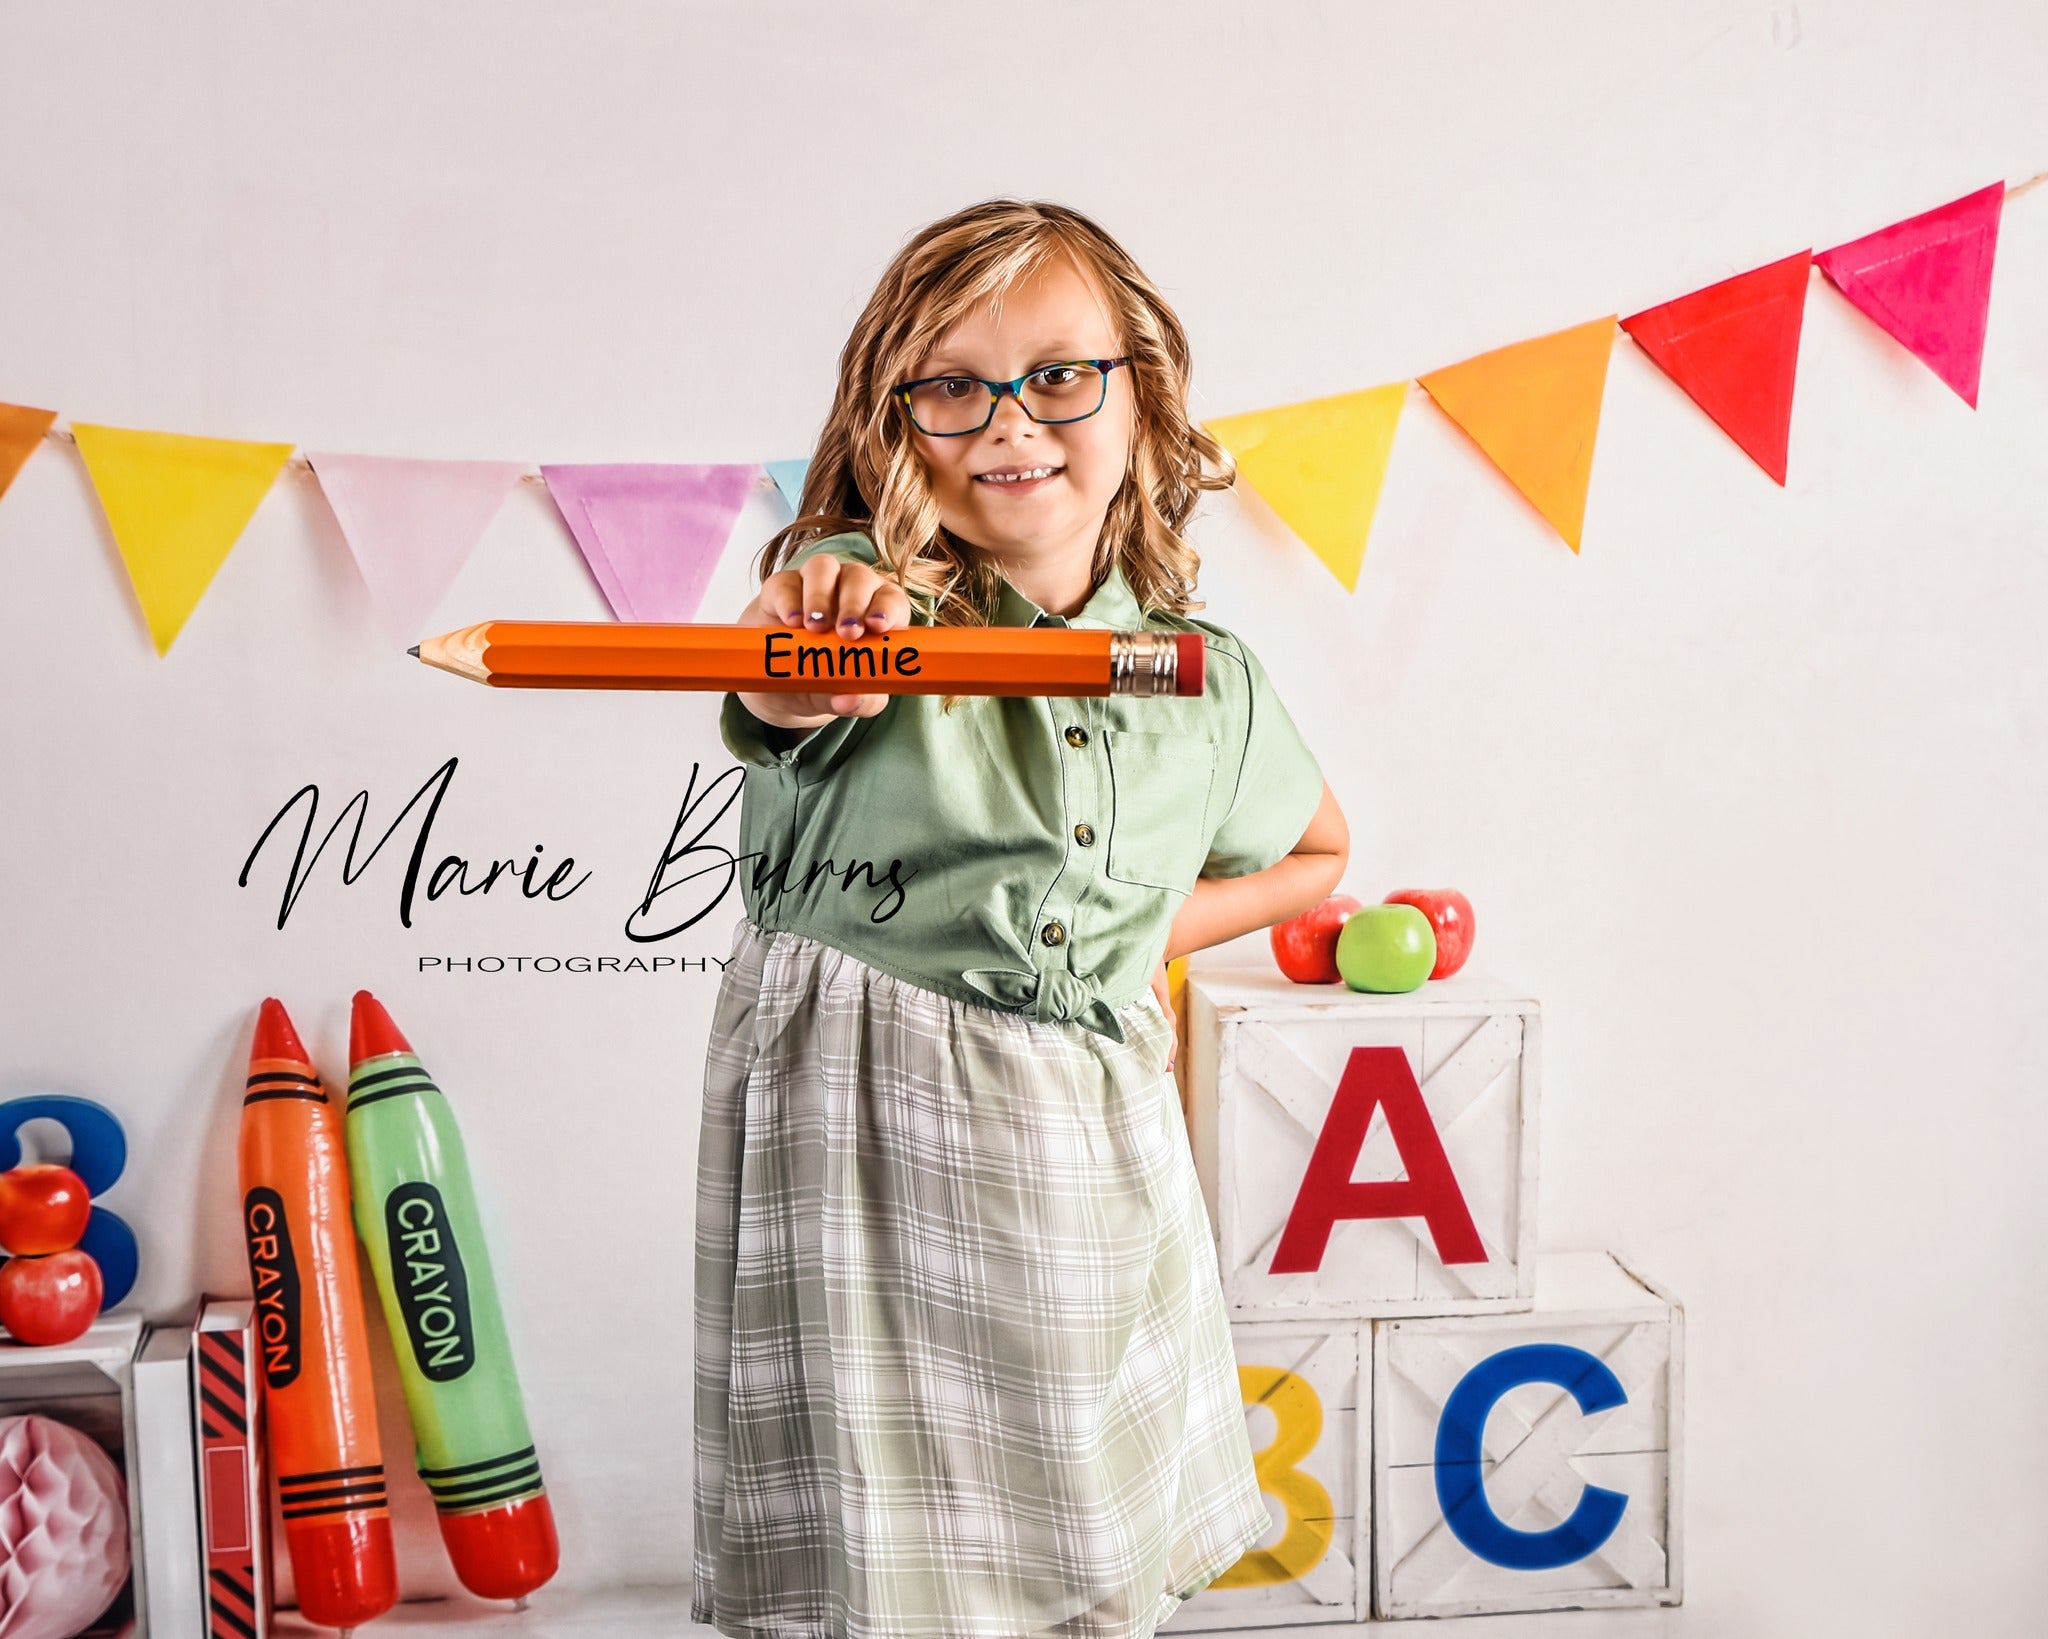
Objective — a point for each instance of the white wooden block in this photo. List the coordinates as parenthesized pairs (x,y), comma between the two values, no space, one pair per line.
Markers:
(1305,1413)
(1444,1549)
(1266,1060)
(89,1383)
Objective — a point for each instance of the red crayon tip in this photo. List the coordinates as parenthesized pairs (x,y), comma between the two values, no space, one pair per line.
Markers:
(371,1034)
(275,1037)
(344,1570)
(503,1553)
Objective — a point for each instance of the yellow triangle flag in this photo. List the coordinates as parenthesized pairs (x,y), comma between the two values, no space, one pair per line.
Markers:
(1534,408)
(1319,464)
(177,505)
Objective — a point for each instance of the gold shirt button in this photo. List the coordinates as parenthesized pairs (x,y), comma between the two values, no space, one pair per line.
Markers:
(1054,934)
(1077,736)
(1084,834)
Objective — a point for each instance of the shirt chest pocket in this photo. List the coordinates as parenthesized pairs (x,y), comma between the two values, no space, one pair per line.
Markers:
(1159,807)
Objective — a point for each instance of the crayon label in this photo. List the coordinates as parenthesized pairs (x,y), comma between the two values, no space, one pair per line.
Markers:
(432,1286)
(274,1275)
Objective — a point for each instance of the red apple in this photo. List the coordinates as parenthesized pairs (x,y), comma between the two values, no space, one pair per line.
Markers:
(1450,914)
(43,1208)
(49,1300)
(1305,946)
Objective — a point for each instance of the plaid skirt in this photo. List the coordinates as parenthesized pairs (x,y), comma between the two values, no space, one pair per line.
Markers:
(962,1364)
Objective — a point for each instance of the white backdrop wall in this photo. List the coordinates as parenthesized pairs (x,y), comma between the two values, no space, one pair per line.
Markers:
(1751,793)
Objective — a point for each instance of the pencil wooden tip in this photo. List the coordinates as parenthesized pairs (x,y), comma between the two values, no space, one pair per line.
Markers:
(460,652)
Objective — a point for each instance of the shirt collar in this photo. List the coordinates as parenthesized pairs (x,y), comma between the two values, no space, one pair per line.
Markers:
(1112,606)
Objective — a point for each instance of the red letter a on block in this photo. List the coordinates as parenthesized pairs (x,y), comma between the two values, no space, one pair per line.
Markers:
(1377,1077)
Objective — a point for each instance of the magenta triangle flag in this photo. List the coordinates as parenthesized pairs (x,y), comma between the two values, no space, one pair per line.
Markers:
(411,524)
(651,531)
(1927,280)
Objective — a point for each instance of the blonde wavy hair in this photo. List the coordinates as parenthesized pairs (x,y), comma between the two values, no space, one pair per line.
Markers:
(867,475)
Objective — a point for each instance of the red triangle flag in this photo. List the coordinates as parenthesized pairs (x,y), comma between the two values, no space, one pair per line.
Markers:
(1927,280)
(1734,347)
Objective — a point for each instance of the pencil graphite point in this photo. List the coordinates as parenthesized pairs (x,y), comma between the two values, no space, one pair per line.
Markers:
(414,651)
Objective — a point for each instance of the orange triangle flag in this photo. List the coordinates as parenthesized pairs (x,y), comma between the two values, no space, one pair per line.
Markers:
(1319,464)
(1534,408)
(177,505)
(21,430)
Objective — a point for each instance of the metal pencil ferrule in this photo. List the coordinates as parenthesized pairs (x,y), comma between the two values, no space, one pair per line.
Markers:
(1143,663)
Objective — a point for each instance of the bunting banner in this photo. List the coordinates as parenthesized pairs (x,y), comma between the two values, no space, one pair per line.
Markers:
(21,431)
(1533,408)
(1927,281)
(1734,348)
(651,531)
(176,504)
(1319,465)
(411,525)
(789,482)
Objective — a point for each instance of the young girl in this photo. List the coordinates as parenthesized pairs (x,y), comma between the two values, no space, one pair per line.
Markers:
(963,1367)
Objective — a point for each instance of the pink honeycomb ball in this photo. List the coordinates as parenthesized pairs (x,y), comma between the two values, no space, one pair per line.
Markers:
(63,1529)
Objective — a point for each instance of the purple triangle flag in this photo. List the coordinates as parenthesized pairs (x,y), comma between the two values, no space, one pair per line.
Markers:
(651,531)
(411,525)
(1927,280)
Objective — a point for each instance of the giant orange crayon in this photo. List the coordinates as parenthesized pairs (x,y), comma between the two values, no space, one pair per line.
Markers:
(416,1213)
(321,1409)
(1059,660)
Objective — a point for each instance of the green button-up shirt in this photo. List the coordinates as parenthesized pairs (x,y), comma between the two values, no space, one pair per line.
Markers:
(1024,853)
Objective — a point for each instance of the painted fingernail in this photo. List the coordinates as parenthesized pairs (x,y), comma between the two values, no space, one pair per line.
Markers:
(791,616)
(849,624)
(878,620)
(817,614)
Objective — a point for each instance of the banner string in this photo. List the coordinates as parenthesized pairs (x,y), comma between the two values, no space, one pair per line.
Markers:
(61,429)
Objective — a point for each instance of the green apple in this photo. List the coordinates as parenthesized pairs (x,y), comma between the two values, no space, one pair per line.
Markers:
(1386,948)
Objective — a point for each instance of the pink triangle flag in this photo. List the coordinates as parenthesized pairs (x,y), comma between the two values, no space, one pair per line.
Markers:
(651,531)
(411,524)
(1927,280)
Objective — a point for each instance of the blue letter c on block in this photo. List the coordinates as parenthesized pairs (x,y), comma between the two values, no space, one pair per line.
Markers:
(1460,1475)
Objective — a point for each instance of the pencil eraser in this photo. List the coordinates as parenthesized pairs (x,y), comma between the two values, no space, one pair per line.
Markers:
(1194,650)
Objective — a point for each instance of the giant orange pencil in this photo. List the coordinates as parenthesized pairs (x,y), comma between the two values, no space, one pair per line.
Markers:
(1058,660)
(315,1342)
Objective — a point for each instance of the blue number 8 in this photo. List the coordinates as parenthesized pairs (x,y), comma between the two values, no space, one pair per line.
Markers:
(99,1155)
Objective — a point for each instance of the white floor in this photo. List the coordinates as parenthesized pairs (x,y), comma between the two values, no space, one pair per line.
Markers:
(663,1613)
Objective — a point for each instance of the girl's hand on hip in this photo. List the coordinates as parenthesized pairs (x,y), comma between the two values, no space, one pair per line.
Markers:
(830,597)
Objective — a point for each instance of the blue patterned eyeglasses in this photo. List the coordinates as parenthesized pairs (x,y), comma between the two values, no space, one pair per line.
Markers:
(953,406)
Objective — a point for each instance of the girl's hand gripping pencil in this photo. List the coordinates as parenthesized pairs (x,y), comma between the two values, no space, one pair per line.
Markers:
(315,1341)
(1060,660)
(417,1215)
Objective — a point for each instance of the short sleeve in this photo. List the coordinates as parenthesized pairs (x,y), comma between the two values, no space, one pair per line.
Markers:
(746,736)
(1279,783)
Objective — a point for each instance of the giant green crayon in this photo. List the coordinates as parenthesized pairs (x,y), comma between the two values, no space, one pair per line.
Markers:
(416,1214)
